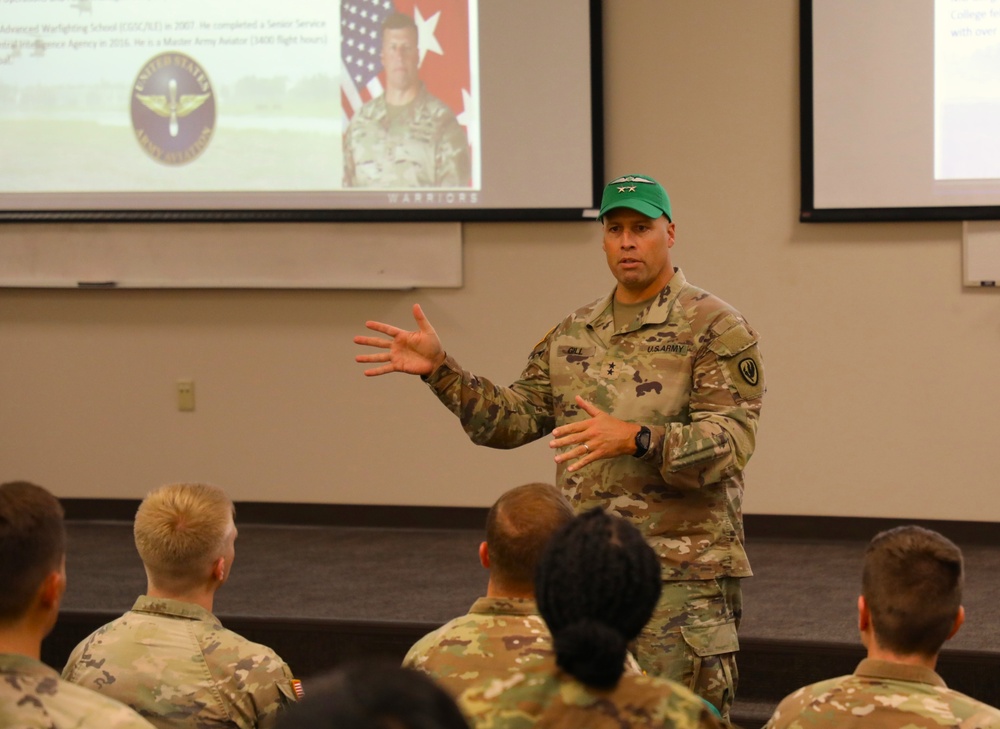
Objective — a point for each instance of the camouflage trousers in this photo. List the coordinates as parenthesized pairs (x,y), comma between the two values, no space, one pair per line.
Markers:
(691,638)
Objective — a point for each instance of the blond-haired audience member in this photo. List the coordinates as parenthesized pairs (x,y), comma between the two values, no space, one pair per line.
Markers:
(169,657)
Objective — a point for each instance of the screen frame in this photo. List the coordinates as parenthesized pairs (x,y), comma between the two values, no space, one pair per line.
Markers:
(369,215)
(808,212)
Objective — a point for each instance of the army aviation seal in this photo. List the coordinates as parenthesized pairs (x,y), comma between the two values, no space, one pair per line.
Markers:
(173,108)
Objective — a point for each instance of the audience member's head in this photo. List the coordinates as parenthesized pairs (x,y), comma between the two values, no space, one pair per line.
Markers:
(185,535)
(912,590)
(597,585)
(518,528)
(374,695)
(32,554)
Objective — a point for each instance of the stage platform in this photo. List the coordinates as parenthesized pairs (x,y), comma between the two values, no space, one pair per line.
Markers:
(320,594)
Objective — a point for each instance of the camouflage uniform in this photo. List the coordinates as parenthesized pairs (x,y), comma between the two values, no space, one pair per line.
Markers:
(883,695)
(498,657)
(419,144)
(32,696)
(491,644)
(562,702)
(175,664)
(689,369)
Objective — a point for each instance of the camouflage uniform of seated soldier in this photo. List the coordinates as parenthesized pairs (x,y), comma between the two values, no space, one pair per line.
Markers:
(169,657)
(32,582)
(597,585)
(502,644)
(910,604)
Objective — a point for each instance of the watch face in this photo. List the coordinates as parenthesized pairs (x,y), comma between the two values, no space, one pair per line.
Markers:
(642,441)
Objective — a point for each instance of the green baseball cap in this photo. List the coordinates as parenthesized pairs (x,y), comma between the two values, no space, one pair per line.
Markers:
(639,192)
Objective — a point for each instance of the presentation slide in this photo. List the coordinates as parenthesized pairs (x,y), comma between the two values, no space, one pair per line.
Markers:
(145,96)
(966,89)
(902,104)
(219,104)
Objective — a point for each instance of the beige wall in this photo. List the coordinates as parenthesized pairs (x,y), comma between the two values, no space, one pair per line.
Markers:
(881,368)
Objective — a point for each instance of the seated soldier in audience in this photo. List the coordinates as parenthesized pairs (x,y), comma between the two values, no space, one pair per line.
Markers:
(597,585)
(910,604)
(374,695)
(502,636)
(32,582)
(169,657)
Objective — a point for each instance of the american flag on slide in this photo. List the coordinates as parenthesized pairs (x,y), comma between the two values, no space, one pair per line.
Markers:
(443,30)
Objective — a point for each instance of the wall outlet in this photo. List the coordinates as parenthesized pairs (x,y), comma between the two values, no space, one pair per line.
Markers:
(185,395)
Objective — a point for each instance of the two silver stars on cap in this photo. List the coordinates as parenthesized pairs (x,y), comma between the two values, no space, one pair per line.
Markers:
(629,178)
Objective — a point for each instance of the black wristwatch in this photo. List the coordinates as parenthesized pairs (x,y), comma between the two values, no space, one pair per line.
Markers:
(642,442)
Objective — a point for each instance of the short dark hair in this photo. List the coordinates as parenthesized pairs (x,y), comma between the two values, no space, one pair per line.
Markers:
(374,695)
(912,584)
(399,21)
(597,586)
(519,527)
(32,544)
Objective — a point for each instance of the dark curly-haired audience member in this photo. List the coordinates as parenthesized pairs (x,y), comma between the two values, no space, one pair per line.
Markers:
(596,587)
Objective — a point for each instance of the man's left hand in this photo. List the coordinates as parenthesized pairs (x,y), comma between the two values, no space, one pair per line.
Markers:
(599,436)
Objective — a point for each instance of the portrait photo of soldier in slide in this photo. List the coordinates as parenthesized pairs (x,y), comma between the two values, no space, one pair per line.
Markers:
(406,92)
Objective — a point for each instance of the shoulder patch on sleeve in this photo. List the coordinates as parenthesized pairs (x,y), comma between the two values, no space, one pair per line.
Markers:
(746,375)
(739,357)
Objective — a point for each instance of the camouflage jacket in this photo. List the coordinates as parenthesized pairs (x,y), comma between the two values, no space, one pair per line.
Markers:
(883,695)
(32,696)
(419,144)
(552,699)
(490,650)
(690,370)
(497,661)
(175,664)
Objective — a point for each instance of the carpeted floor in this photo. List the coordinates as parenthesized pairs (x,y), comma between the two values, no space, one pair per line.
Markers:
(801,590)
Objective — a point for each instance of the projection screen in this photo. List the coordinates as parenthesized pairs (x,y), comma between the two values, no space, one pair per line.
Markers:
(900,109)
(247,110)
